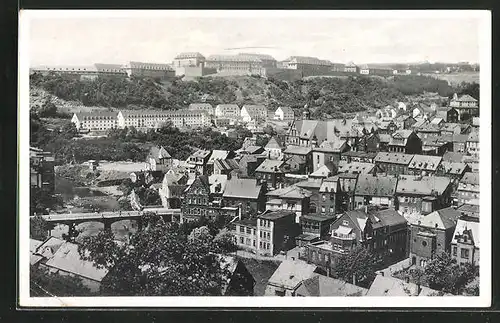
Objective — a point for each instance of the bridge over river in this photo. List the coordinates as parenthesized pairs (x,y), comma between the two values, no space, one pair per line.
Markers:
(108,218)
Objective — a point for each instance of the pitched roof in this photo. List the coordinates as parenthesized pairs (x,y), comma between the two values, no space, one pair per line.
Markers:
(389,217)
(226,164)
(473,136)
(422,185)
(274,215)
(286,110)
(470,178)
(323,171)
(201,153)
(394,158)
(360,154)
(400,137)
(253,149)
(158,152)
(463,225)
(189,55)
(390,286)
(292,191)
(376,185)
(450,156)
(320,285)
(329,186)
(441,219)
(67,259)
(242,188)
(291,273)
(274,143)
(297,150)
(453,167)
(355,167)
(466,98)
(200,106)
(425,162)
(270,166)
(217,183)
(331,146)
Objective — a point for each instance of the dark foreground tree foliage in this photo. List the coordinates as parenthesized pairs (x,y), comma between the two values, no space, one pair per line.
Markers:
(39,228)
(443,273)
(45,284)
(357,267)
(160,260)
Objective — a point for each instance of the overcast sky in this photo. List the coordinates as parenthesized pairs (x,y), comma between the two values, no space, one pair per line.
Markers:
(84,41)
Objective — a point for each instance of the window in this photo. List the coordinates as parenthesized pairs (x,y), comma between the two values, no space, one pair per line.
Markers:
(424,243)
(260,234)
(249,231)
(464,253)
(279,292)
(454,250)
(242,229)
(241,240)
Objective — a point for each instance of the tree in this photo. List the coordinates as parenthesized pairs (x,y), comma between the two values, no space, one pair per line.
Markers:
(445,274)
(45,284)
(39,228)
(69,130)
(357,266)
(48,109)
(158,261)
(41,201)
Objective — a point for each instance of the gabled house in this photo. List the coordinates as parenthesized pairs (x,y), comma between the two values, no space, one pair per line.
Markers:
(253,113)
(431,234)
(199,201)
(449,128)
(459,143)
(466,105)
(437,145)
(358,156)
(158,159)
(246,194)
(249,163)
(369,143)
(272,172)
(428,130)
(217,155)
(455,171)
(404,122)
(465,241)
(375,190)
(291,198)
(284,114)
(287,278)
(472,144)
(328,153)
(358,168)
(227,111)
(302,156)
(315,224)
(405,141)
(337,193)
(422,194)
(468,188)
(274,149)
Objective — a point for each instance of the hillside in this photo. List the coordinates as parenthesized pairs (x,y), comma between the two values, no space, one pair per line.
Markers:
(329,96)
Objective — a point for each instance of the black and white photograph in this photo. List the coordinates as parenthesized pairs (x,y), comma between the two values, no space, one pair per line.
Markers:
(226,158)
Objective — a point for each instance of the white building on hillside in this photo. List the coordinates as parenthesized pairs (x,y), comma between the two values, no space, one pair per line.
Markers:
(95,121)
(284,114)
(155,119)
(227,111)
(253,112)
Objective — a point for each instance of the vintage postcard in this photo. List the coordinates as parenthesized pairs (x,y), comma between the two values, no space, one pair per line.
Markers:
(190,158)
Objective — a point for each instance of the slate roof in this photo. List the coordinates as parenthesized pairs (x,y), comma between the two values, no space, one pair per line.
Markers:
(189,55)
(67,259)
(453,168)
(320,285)
(270,166)
(360,154)
(274,143)
(291,273)
(425,162)
(393,158)
(329,186)
(470,178)
(226,164)
(297,150)
(293,192)
(331,146)
(242,188)
(422,185)
(376,185)
(390,286)
(450,156)
(389,217)
(355,167)
(441,219)
(274,215)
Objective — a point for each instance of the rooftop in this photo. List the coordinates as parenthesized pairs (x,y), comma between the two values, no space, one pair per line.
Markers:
(394,158)
(291,273)
(463,225)
(274,215)
(320,285)
(425,162)
(470,178)
(390,286)
(242,188)
(441,219)
(270,166)
(422,185)
(376,185)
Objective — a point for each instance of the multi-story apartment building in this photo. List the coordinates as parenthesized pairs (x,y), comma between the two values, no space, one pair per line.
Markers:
(83,72)
(424,165)
(95,121)
(383,232)
(276,232)
(472,144)
(158,159)
(393,163)
(374,70)
(430,234)
(246,194)
(316,224)
(194,59)
(198,201)
(303,156)
(42,169)
(274,149)
(375,190)
(465,241)
(422,194)
(405,141)
(351,68)
(245,234)
(328,154)
(144,119)
(227,111)
(468,188)
(272,172)
(153,70)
